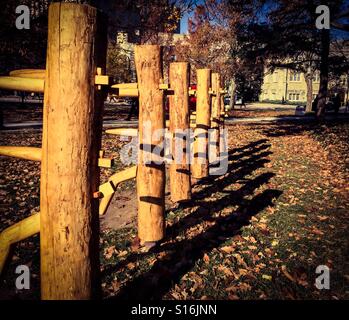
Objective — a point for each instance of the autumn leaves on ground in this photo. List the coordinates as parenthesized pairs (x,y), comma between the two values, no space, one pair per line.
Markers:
(258,232)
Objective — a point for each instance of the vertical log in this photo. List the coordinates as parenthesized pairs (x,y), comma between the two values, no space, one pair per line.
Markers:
(69,226)
(215,117)
(151,168)
(180,186)
(199,168)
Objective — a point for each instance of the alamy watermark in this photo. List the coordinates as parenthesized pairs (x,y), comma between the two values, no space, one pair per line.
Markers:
(323,20)
(323,280)
(23,20)
(23,280)
(198,146)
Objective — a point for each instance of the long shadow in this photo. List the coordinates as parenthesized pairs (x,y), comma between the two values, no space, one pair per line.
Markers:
(211,185)
(292,128)
(181,256)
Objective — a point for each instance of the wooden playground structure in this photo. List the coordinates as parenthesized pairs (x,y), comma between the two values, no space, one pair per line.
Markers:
(71,198)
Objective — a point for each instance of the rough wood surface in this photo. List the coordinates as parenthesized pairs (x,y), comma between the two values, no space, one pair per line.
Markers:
(180,185)
(215,118)
(72,126)
(150,175)
(199,168)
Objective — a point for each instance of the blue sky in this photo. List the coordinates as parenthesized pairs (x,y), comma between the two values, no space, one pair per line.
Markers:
(265,9)
(184,23)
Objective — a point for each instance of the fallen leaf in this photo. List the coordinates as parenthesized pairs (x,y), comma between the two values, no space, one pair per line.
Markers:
(227,249)
(275,243)
(286,273)
(206,258)
(108,252)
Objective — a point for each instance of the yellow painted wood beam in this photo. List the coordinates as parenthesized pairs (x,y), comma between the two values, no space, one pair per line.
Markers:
(127,92)
(29,73)
(131,89)
(22,84)
(116,179)
(18,232)
(125,86)
(130,132)
(27,153)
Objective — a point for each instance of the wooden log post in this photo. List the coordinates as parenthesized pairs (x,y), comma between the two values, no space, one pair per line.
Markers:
(72,126)
(180,185)
(199,168)
(215,118)
(151,167)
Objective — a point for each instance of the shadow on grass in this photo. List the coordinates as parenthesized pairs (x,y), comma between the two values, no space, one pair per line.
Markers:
(292,128)
(182,255)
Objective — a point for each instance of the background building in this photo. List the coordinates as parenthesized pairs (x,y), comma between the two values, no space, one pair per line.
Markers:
(286,85)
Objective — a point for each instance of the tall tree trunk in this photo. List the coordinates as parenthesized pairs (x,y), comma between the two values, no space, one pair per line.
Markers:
(232,94)
(325,39)
(309,83)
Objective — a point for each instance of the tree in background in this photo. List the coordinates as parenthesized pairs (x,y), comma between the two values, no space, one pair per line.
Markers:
(142,22)
(212,43)
(23,48)
(118,63)
(206,46)
(289,38)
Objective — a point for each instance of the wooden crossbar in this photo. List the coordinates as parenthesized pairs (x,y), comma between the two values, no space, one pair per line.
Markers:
(116,179)
(22,84)
(18,232)
(27,153)
(29,73)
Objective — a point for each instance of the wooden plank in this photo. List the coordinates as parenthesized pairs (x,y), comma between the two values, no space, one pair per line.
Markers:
(15,233)
(130,132)
(27,153)
(29,73)
(116,179)
(22,84)
(127,93)
(133,85)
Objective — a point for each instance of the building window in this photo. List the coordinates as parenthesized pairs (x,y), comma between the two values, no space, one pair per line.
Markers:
(294,96)
(295,76)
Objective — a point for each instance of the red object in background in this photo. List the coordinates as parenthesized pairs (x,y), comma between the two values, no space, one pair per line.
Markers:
(192,100)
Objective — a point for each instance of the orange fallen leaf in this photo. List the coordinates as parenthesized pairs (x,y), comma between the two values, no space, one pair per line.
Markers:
(206,258)
(227,249)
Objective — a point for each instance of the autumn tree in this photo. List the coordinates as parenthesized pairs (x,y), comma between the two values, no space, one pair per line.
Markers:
(209,41)
(289,38)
